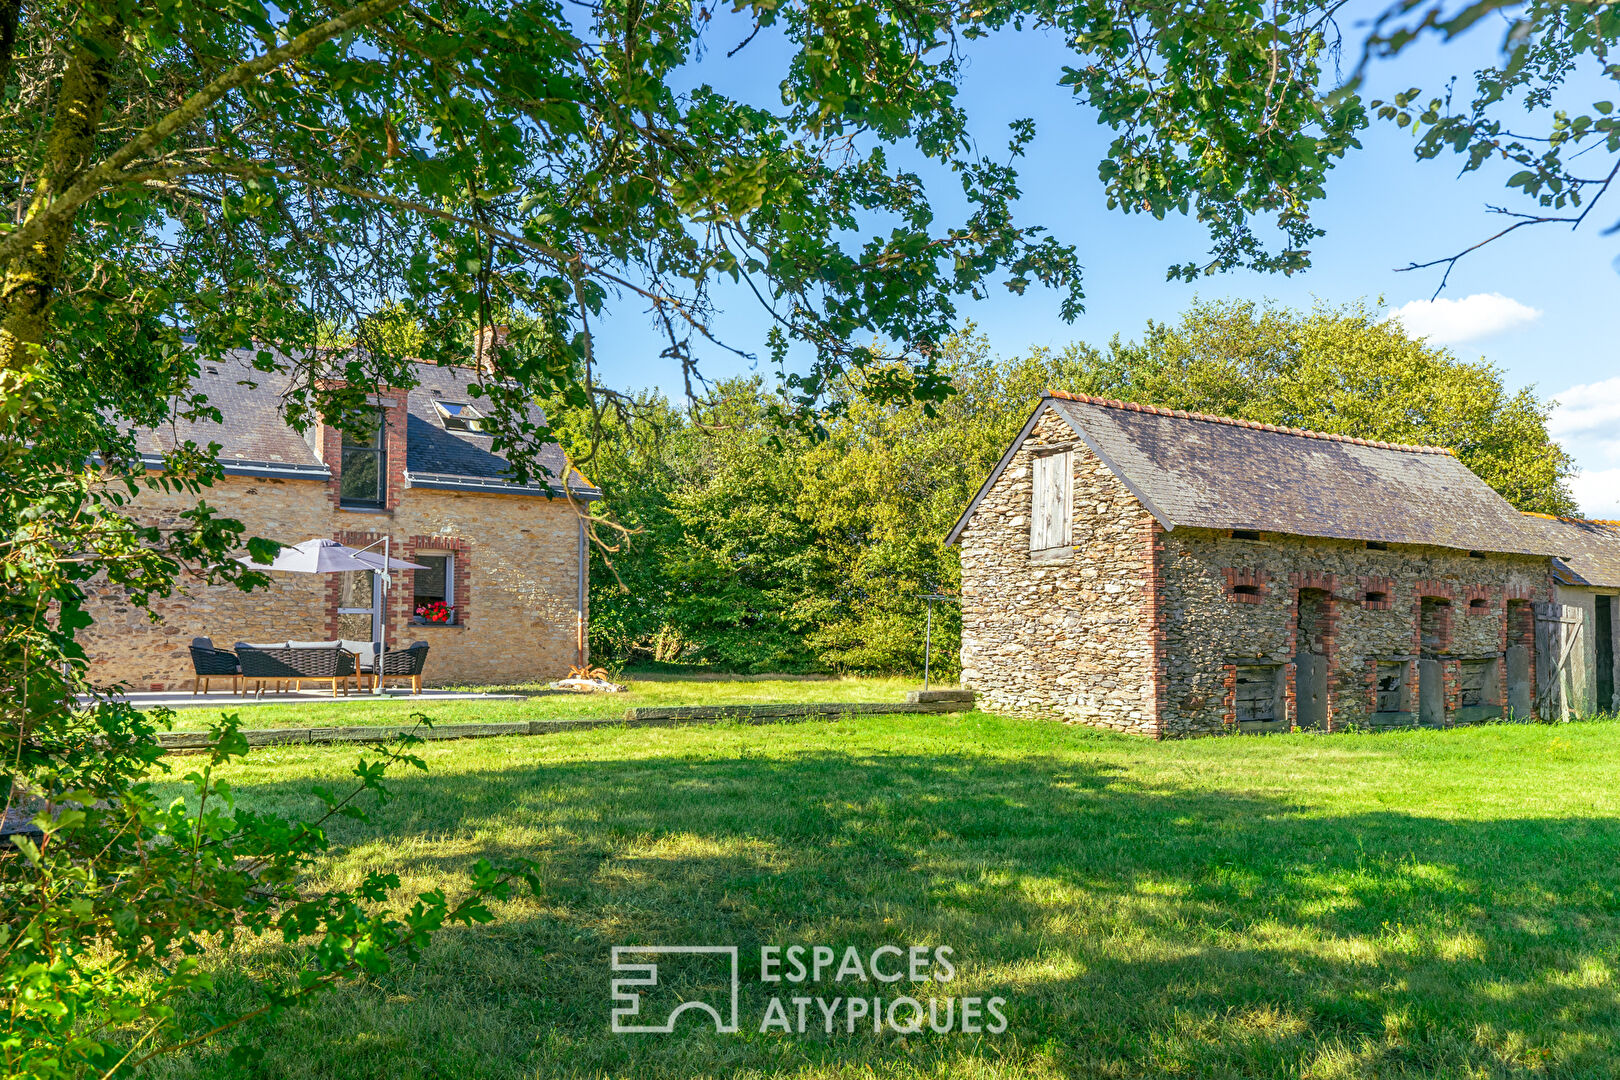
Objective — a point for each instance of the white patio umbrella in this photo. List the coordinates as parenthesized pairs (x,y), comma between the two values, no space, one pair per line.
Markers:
(327,557)
(320,556)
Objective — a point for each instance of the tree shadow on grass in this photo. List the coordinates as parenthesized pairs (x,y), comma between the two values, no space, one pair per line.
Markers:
(1135,930)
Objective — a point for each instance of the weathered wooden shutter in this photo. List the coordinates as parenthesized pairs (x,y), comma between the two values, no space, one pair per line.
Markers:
(1560,661)
(1053,476)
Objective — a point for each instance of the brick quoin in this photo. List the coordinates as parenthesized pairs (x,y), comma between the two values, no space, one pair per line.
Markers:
(526,625)
(1482,593)
(1143,630)
(334,582)
(1434,590)
(1153,619)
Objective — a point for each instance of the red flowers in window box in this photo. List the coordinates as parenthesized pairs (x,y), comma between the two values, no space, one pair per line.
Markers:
(437,612)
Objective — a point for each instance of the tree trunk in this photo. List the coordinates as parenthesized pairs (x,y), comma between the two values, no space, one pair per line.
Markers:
(34,275)
(10,14)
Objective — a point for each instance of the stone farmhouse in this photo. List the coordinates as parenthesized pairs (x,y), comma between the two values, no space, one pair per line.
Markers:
(509,561)
(1171,574)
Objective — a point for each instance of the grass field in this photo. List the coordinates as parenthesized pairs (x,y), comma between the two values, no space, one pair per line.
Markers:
(1438,904)
(658,689)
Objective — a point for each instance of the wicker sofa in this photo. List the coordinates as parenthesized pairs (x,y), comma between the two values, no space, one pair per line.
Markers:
(290,664)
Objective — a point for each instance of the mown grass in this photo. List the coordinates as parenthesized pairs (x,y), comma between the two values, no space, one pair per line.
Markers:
(1437,904)
(362,710)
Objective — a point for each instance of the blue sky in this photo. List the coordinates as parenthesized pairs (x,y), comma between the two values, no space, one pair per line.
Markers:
(1541,304)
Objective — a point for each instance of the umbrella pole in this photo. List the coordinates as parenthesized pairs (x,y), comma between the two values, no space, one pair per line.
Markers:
(382,628)
(382,616)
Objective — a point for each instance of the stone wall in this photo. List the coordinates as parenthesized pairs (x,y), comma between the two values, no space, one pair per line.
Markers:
(517,560)
(1359,606)
(1069,635)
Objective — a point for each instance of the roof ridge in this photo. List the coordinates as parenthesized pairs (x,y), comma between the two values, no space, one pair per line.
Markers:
(1570,520)
(1255,425)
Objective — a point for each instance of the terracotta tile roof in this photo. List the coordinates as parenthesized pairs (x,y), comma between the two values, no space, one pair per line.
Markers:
(1192,469)
(1589,550)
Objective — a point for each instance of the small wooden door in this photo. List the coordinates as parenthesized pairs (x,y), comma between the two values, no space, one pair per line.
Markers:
(1560,661)
(1518,682)
(1431,693)
(1310,690)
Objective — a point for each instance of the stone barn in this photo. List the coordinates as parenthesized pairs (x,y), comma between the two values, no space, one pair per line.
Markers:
(1579,661)
(1170,574)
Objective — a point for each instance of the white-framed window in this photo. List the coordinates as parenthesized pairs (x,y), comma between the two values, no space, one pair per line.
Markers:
(1051,496)
(436,584)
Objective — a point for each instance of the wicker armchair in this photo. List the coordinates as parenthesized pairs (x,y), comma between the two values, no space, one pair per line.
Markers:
(405,663)
(296,663)
(208,663)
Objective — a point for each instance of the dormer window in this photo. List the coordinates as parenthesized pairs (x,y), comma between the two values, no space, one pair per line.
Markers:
(361,480)
(459,416)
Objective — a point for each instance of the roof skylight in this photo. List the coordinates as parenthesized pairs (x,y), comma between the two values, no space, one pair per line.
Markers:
(459,416)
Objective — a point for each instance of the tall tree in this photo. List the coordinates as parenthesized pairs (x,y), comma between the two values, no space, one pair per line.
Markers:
(815,553)
(1343,370)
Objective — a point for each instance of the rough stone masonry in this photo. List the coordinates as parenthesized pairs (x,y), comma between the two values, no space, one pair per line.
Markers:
(1171,574)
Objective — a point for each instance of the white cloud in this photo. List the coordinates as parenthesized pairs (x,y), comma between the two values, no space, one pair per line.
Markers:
(1589,408)
(1450,322)
(1587,422)
(1598,493)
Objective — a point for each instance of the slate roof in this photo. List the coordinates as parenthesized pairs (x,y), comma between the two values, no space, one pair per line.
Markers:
(1192,469)
(1590,549)
(255,441)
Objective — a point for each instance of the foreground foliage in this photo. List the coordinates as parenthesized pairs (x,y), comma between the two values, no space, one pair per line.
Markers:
(171,882)
(1420,904)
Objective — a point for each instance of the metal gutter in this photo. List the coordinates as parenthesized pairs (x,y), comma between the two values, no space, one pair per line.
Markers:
(492,485)
(277,470)
(582,643)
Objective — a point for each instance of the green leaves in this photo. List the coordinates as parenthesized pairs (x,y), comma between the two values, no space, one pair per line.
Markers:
(1526,114)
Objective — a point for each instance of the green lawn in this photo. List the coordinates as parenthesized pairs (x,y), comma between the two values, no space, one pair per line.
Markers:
(362,710)
(1438,904)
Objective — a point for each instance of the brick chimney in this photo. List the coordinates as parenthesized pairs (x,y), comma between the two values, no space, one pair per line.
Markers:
(489,339)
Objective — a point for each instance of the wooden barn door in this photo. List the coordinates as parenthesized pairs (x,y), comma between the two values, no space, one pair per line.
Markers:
(1310,660)
(1560,661)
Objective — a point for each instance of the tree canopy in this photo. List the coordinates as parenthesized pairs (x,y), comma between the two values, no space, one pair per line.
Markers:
(762,550)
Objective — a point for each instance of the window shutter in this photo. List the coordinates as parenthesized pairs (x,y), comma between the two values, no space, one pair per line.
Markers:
(1049,522)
